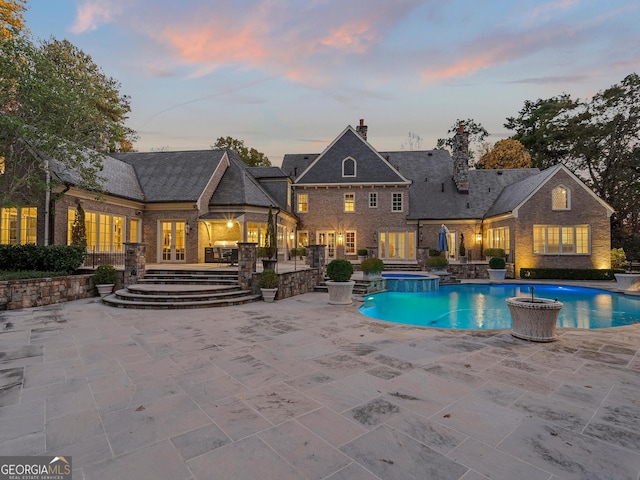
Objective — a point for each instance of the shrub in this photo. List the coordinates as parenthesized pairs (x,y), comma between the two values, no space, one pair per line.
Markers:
(618,258)
(268,279)
(372,265)
(339,270)
(497,263)
(433,253)
(53,258)
(568,273)
(362,252)
(462,249)
(298,252)
(494,252)
(105,275)
(437,262)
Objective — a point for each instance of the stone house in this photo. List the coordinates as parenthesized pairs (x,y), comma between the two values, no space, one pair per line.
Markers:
(352,197)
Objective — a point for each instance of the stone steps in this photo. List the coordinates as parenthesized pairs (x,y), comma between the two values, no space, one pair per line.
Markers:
(178,289)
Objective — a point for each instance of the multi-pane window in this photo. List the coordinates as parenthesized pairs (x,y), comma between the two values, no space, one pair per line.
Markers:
(396,202)
(499,238)
(561,240)
(303,202)
(303,238)
(350,243)
(105,232)
(256,233)
(135,233)
(397,245)
(373,200)
(560,198)
(18,226)
(349,202)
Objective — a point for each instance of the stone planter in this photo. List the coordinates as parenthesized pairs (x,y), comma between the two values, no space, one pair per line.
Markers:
(628,282)
(269,263)
(371,275)
(340,292)
(269,294)
(496,274)
(105,289)
(534,319)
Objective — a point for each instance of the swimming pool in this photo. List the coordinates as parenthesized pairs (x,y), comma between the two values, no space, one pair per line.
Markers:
(483,307)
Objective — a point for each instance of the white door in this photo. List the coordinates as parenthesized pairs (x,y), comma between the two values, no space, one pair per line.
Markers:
(172,241)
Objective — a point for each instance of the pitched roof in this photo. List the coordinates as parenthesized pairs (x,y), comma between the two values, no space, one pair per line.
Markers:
(293,164)
(173,176)
(119,177)
(239,187)
(267,172)
(370,166)
(514,194)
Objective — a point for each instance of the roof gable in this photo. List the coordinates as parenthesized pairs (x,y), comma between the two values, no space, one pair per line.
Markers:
(371,167)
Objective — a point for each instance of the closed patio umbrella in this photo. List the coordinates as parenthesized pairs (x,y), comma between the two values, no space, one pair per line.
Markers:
(443,244)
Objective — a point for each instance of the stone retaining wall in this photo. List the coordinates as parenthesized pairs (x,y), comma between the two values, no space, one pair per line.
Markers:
(475,270)
(36,292)
(292,283)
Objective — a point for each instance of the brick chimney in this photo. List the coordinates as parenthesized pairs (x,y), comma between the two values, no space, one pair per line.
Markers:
(461,159)
(362,129)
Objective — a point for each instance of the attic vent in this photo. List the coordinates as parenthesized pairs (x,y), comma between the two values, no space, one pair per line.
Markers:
(499,172)
(306,157)
(489,188)
(467,204)
(430,154)
(426,179)
(295,171)
(443,187)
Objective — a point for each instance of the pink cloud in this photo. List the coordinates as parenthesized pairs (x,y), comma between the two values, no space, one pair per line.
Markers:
(91,14)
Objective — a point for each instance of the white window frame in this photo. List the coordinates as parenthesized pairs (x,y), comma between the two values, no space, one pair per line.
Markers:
(394,202)
(373,199)
(355,167)
(350,250)
(499,237)
(299,209)
(562,231)
(353,202)
(26,225)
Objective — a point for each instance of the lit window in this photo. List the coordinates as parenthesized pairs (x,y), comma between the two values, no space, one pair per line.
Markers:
(373,200)
(303,202)
(134,230)
(18,226)
(499,238)
(105,232)
(396,202)
(349,167)
(561,240)
(350,243)
(560,198)
(1,165)
(349,202)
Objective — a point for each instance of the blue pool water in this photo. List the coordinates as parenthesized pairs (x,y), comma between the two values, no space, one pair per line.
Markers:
(483,307)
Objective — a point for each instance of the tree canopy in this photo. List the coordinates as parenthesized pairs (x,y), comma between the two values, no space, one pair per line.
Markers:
(55,103)
(477,133)
(11,18)
(599,140)
(250,156)
(507,153)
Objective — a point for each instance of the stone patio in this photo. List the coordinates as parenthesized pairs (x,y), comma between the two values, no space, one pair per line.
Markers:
(300,389)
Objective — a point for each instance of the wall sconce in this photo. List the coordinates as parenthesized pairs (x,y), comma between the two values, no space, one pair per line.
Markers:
(229,224)
(340,237)
(291,236)
(478,236)
(187,228)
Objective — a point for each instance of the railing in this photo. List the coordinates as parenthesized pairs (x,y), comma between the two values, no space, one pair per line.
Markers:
(95,258)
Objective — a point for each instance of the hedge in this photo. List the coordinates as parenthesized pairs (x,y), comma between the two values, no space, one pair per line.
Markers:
(568,273)
(52,258)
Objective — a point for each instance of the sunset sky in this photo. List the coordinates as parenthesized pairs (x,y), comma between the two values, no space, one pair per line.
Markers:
(288,76)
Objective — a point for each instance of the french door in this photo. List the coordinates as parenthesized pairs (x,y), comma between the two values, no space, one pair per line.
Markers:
(328,239)
(172,241)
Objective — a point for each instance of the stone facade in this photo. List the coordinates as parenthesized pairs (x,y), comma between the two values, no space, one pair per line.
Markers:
(16,294)
(292,283)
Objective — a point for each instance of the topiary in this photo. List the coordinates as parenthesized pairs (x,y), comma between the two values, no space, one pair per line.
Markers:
(437,262)
(497,263)
(268,279)
(339,270)
(372,265)
(105,275)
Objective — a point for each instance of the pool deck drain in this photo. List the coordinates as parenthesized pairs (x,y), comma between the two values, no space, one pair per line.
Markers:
(301,389)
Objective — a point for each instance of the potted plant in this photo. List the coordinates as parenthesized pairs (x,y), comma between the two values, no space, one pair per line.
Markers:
(340,285)
(372,268)
(270,243)
(437,264)
(489,253)
(362,254)
(534,319)
(105,278)
(268,283)
(497,269)
(462,250)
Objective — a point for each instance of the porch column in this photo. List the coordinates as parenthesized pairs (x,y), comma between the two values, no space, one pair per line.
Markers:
(247,255)
(316,258)
(134,262)
(372,252)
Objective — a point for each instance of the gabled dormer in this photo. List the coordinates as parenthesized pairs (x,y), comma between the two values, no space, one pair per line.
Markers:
(350,160)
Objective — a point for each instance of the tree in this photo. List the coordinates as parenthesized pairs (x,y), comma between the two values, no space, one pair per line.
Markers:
(599,140)
(250,156)
(55,105)
(270,242)
(477,133)
(79,228)
(11,19)
(507,153)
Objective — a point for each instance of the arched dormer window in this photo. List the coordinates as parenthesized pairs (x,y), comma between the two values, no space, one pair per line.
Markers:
(561,198)
(348,167)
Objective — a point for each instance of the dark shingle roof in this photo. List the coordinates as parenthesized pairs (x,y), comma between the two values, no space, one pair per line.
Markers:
(327,167)
(293,164)
(119,178)
(514,194)
(173,176)
(267,172)
(239,187)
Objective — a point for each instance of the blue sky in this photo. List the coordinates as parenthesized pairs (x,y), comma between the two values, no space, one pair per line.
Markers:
(288,76)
